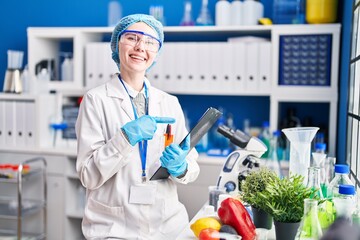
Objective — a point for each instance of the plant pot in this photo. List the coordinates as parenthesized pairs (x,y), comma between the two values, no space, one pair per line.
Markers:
(285,230)
(262,219)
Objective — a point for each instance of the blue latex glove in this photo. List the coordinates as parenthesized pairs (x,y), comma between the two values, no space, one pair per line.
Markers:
(143,128)
(173,158)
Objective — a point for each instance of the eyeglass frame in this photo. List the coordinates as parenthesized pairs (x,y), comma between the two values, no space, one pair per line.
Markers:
(142,33)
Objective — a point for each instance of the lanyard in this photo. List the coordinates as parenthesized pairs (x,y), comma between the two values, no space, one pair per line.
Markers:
(142,144)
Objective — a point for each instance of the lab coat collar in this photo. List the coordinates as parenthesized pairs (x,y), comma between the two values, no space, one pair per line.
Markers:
(115,89)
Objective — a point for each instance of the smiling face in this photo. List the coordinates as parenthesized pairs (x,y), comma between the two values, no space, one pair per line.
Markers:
(136,59)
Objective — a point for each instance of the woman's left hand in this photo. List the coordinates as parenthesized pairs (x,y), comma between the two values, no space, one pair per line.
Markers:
(173,158)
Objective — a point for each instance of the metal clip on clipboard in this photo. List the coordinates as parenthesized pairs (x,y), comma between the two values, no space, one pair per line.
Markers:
(204,124)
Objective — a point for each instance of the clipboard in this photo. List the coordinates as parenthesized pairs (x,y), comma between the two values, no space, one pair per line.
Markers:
(207,120)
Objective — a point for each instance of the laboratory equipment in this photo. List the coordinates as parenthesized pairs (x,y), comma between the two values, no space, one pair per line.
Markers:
(67,67)
(236,13)
(345,202)
(288,11)
(310,228)
(342,172)
(265,137)
(240,162)
(157,11)
(252,12)
(272,161)
(187,19)
(222,13)
(321,11)
(48,65)
(12,81)
(114,12)
(300,146)
(314,181)
(204,18)
(214,193)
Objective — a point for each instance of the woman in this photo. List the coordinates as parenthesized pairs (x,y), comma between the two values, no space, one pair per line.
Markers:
(120,131)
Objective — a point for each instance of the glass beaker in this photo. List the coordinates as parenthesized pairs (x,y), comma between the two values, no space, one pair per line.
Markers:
(310,226)
(300,149)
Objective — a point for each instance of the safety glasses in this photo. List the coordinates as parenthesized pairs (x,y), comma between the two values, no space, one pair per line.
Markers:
(132,38)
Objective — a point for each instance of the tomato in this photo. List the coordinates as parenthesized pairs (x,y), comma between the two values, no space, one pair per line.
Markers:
(209,234)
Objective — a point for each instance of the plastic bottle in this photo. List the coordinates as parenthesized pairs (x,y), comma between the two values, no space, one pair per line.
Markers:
(324,11)
(114,12)
(341,177)
(309,228)
(67,68)
(345,202)
(252,11)
(222,13)
(265,137)
(204,18)
(273,161)
(314,181)
(25,80)
(236,13)
(187,19)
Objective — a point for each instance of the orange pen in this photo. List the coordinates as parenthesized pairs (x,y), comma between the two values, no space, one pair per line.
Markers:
(169,138)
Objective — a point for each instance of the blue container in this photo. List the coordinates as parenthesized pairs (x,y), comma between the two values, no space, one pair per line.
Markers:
(289,11)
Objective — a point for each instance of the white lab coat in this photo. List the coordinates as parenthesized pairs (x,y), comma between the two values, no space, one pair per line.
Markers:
(108,165)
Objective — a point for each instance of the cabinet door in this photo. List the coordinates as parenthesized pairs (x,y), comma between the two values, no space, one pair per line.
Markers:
(55,207)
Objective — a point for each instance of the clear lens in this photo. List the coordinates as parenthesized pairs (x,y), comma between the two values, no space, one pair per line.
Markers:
(132,39)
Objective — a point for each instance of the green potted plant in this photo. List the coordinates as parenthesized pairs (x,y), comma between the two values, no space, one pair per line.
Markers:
(254,184)
(284,200)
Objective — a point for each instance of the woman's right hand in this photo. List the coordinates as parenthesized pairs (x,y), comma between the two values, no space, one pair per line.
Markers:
(143,128)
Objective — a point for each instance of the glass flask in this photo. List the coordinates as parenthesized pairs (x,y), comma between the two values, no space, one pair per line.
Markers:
(314,181)
(309,228)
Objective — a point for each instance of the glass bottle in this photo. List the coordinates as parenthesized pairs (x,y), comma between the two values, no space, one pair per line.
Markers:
(309,228)
(273,161)
(314,181)
(204,18)
(356,213)
(328,174)
(187,19)
(345,201)
(265,137)
(341,177)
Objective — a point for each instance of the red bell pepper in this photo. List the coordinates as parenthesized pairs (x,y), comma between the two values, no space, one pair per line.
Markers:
(233,213)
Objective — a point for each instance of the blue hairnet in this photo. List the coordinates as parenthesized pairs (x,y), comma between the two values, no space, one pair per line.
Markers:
(125,23)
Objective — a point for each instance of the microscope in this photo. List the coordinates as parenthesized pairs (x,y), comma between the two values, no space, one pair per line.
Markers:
(242,161)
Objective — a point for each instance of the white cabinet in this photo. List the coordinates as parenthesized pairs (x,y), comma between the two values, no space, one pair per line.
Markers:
(25,120)
(191,39)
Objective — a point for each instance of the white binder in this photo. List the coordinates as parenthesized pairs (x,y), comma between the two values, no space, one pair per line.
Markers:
(2,123)
(155,74)
(90,65)
(191,74)
(169,62)
(10,129)
(203,78)
(21,118)
(179,50)
(238,67)
(30,124)
(264,65)
(252,63)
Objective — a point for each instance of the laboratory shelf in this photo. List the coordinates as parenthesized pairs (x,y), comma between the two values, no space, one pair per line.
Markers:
(25,176)
(11,235)
(8,208)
